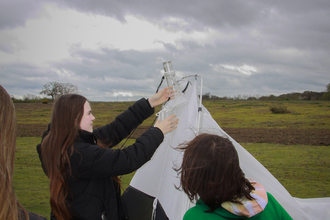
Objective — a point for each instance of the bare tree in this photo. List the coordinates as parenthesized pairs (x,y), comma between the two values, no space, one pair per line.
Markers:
(206,96)
(328,87)
(55,89)
(30,97)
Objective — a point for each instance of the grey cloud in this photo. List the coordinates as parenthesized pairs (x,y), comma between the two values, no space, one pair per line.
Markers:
(130,64)
(287,42)
(10,44)
(301,24)
(200,14)
(14,13)
(20,79)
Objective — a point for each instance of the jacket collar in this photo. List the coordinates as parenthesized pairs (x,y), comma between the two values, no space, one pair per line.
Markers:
(87,136)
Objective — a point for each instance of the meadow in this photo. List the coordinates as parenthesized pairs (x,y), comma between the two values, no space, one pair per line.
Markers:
(294,146)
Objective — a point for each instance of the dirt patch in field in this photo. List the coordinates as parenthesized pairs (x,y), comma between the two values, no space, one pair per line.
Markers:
(281,136)
(290,136)
(31,130)
(242,135)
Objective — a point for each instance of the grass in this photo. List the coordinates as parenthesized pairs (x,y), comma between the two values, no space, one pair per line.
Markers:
(303,170)
(30,182)
(256,114)
(234,114)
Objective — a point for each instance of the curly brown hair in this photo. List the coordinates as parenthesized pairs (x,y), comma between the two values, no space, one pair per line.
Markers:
(210,169)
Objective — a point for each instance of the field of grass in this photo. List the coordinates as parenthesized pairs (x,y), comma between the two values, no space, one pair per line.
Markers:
(30,182)
(256,114)
(302,169)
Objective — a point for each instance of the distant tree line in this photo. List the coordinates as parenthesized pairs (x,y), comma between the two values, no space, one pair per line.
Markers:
(307,95)
(54,89)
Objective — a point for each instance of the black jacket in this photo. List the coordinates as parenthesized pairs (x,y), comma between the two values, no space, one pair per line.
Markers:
(91,186)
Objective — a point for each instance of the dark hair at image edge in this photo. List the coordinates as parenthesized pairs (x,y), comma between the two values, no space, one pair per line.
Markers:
(210,170)
(10,207)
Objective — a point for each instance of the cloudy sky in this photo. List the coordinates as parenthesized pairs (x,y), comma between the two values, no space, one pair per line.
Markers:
(114,50)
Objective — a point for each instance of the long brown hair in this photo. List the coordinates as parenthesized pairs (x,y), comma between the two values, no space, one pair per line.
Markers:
(210,169)
(57,147)
(9,205)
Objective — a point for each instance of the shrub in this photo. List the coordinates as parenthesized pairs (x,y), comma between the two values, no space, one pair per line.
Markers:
(45,101)
(326,96)
(279,109)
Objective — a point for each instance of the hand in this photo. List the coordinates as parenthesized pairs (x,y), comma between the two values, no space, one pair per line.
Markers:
(168,124)
(162,96)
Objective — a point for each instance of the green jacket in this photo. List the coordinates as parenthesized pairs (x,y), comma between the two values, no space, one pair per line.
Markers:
(273,210)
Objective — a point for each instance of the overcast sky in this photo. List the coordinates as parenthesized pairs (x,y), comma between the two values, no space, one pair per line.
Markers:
(114,50)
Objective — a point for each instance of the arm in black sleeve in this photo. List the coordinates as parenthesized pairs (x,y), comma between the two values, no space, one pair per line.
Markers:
(92,161)
(124,123)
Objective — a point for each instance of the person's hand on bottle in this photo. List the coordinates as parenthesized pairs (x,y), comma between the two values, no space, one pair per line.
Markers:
(162,96)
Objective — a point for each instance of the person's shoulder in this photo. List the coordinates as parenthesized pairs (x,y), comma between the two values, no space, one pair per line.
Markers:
(87,150)
(271,199)
(275,205)
(194,213)
(191,214)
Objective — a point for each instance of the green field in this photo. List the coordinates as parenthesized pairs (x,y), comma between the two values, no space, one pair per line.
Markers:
(302,169)
(256,114)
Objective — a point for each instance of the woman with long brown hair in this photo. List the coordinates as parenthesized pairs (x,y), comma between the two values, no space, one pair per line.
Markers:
(211,175)
(80,162)
(10,207)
